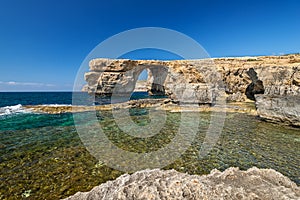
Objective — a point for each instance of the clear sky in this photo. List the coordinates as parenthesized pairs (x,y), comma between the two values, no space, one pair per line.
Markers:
(43,42)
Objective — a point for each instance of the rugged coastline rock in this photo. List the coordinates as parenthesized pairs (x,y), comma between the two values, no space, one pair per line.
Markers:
(283,109)
(205,81)
(158,104)
(241,77)
(231,184)
(179,80)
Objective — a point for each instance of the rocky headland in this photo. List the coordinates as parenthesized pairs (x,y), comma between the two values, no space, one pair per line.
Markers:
(271,82)
(231,184)
(242,77)
(238,79)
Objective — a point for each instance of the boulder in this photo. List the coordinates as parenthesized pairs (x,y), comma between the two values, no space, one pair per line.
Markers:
(277,108)
(231,184)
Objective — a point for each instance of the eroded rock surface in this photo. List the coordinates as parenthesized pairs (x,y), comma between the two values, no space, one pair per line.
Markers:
(180,80)
(157,104)
(206,81)
(284,109)
(199,80)
(231,184)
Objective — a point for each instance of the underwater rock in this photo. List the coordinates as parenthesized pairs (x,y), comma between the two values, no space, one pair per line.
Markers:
(169,184)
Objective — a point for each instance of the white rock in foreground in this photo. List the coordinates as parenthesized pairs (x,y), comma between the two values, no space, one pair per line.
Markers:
(231,184)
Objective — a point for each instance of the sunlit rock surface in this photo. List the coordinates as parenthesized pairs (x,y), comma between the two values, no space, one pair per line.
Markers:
(231,184)
(206,81)
(198,80)
(284,109)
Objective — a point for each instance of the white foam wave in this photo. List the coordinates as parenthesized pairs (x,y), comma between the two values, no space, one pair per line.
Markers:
(16,109)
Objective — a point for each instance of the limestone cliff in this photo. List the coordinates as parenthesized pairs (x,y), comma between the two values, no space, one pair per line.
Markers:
(241,77)
(207,81)
(269,75)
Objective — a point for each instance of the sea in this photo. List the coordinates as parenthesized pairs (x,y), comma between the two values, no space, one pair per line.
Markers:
(42,156)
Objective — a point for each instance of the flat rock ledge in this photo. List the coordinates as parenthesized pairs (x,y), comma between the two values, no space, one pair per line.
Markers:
(158,104)
(169,184)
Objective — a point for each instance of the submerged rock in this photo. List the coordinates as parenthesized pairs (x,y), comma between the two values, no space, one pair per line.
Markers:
(231,184)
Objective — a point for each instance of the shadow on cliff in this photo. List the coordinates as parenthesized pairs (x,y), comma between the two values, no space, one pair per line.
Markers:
(255,87)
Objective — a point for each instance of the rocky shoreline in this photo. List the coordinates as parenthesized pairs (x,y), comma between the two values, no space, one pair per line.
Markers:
(231,184)
(277,109)
(158,104)
(272,82)
(238,79)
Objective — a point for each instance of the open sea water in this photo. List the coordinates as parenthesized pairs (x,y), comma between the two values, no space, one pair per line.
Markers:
(42,156)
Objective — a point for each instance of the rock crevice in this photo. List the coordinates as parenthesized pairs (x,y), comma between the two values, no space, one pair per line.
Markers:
(255,87)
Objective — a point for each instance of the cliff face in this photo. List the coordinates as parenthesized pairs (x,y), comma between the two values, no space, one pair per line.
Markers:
(262,79)
(231,184)
(280,108)
(269,75)
(180,80)
(198,80)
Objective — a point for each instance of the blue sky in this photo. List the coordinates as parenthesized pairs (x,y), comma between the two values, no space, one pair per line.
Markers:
(42,43)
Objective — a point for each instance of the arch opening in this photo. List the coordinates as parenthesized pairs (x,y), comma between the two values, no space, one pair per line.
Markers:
(141,82)
(140,90)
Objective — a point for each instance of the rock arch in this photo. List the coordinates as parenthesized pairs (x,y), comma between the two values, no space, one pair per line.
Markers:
(243,78)
(181,80)
(124,82)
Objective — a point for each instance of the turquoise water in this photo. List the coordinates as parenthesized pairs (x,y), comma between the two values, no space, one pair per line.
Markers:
(42,156)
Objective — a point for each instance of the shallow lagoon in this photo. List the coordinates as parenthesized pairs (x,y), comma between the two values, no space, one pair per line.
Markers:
(42,156)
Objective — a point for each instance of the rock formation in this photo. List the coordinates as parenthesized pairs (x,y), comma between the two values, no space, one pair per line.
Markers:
(231,184)
(141,86)
(269,75)
(179,80)
(202,81)
(284,109)
(158,104)
(242,77)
